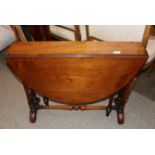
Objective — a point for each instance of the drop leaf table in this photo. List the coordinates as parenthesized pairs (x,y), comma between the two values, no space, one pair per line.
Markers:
(77,74)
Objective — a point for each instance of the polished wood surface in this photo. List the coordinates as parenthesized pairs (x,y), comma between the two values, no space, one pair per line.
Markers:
(77,73)
(66,48)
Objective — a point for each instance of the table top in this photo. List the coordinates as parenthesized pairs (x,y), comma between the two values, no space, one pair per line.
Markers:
(106,68)
(76,48)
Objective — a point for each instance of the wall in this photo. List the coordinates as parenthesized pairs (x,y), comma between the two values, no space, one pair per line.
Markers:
(116,32)
(106,32)
(7,36)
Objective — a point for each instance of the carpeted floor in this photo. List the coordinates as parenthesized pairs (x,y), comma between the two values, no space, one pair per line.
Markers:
(140,110)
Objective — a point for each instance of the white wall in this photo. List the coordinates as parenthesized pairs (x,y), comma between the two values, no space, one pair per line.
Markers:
(116,32)
(106,32)
(7,36)
(62,32)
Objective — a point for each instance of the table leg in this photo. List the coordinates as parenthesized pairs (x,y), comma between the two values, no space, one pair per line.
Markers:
(119,102)
(122,99)
(33,102)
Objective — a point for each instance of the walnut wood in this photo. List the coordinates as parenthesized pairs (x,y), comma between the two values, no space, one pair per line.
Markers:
(91,73)
(124,95)
(70,107)
(83,107)
(33,102)
(87,32)
(76,49)
(77,33)
(77,73)
(63,107)
(19,33)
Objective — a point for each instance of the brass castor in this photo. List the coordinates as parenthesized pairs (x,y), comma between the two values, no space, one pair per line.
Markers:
(120,117)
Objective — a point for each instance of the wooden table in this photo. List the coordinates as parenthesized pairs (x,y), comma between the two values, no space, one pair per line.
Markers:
(77,74)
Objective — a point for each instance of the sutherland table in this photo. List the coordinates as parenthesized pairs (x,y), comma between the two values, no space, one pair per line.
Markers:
(77,74)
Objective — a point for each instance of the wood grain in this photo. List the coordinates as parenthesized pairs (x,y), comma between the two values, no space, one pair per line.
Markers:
(75,48)
(76,72)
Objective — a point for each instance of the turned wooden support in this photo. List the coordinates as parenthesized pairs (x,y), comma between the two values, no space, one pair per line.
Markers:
(33,102)
(73,107)
(119,102)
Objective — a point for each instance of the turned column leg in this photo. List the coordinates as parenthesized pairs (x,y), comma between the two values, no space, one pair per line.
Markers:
(122,99)
(119,107)
(33,102)
(110,106)
(119,102)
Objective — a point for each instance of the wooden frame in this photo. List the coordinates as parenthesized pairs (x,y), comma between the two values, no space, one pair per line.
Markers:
(76,32)
(88,36)
(146,35)
(36,32)
(19,33)
(152,33)
(45,33)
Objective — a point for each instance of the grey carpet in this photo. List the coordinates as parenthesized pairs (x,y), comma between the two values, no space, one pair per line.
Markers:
(140,110)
